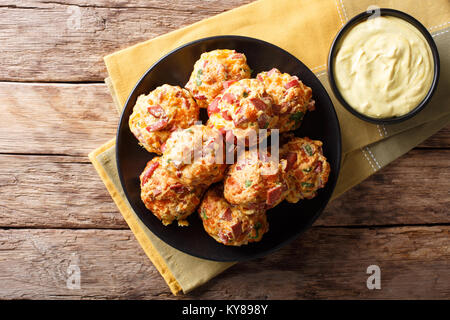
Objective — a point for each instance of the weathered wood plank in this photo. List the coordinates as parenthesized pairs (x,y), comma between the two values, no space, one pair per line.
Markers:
(72,119)
(439,140)
(323,263)
(54,192)
(65,192)
(67,40)
(41,42)
(414,189)
(331,263)
(55,118)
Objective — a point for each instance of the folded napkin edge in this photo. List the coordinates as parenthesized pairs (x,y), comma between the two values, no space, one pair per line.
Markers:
(145,243)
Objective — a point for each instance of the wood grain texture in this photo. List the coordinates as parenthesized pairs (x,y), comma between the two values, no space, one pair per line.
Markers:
(323,263)
(65,192)
(413,189)
(67,40)
(439,140)
(54,192)
(331,263)
(72,119)
(55,211)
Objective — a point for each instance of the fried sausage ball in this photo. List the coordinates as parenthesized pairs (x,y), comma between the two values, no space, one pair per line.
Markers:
(291,98)
(195,155)
(230,224)
(162,111)
(165,196)
(256,181)
(214,71)
(242,109)
(307,170)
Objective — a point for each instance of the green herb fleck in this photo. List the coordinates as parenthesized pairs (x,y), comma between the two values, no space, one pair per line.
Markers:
(199,76)
(307,170)
(189,130)
(169,160)
(308,149)
(245,94)
(248,183)
(257,227)
(203,213)
(307,185)
(297,117)
(251,71)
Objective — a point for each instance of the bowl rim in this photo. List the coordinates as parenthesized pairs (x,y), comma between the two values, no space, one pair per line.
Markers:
(383,12)
(338,160)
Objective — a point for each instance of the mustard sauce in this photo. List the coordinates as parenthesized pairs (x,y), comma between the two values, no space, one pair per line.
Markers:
(384,67)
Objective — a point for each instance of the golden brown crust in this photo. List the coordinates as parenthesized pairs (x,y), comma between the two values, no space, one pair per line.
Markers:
(229,224)
(255,181)
(242,109)
(156,115)
(213,71)
(195,155)
(165,196)
(292,99)
(307,168)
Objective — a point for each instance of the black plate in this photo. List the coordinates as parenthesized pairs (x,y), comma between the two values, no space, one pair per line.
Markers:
(286,220)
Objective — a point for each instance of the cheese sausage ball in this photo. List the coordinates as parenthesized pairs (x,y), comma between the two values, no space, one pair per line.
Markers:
(162,111)
(165,196)
(291,98)
(214,71)
(241,110)
(229,224)
(307,170)
(195,155)
(255,181)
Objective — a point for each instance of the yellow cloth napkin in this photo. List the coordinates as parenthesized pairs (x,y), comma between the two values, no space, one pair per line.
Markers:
(306,29)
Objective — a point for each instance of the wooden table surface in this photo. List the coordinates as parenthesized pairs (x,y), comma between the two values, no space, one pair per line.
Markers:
(54,209)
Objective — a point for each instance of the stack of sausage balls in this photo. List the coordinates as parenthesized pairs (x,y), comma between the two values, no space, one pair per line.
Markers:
(190,171)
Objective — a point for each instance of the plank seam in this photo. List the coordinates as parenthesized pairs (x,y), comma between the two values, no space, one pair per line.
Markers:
(106,7)
(384,226)
(350,226)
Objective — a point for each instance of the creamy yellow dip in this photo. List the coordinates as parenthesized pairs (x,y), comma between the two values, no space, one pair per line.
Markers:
(384,67)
